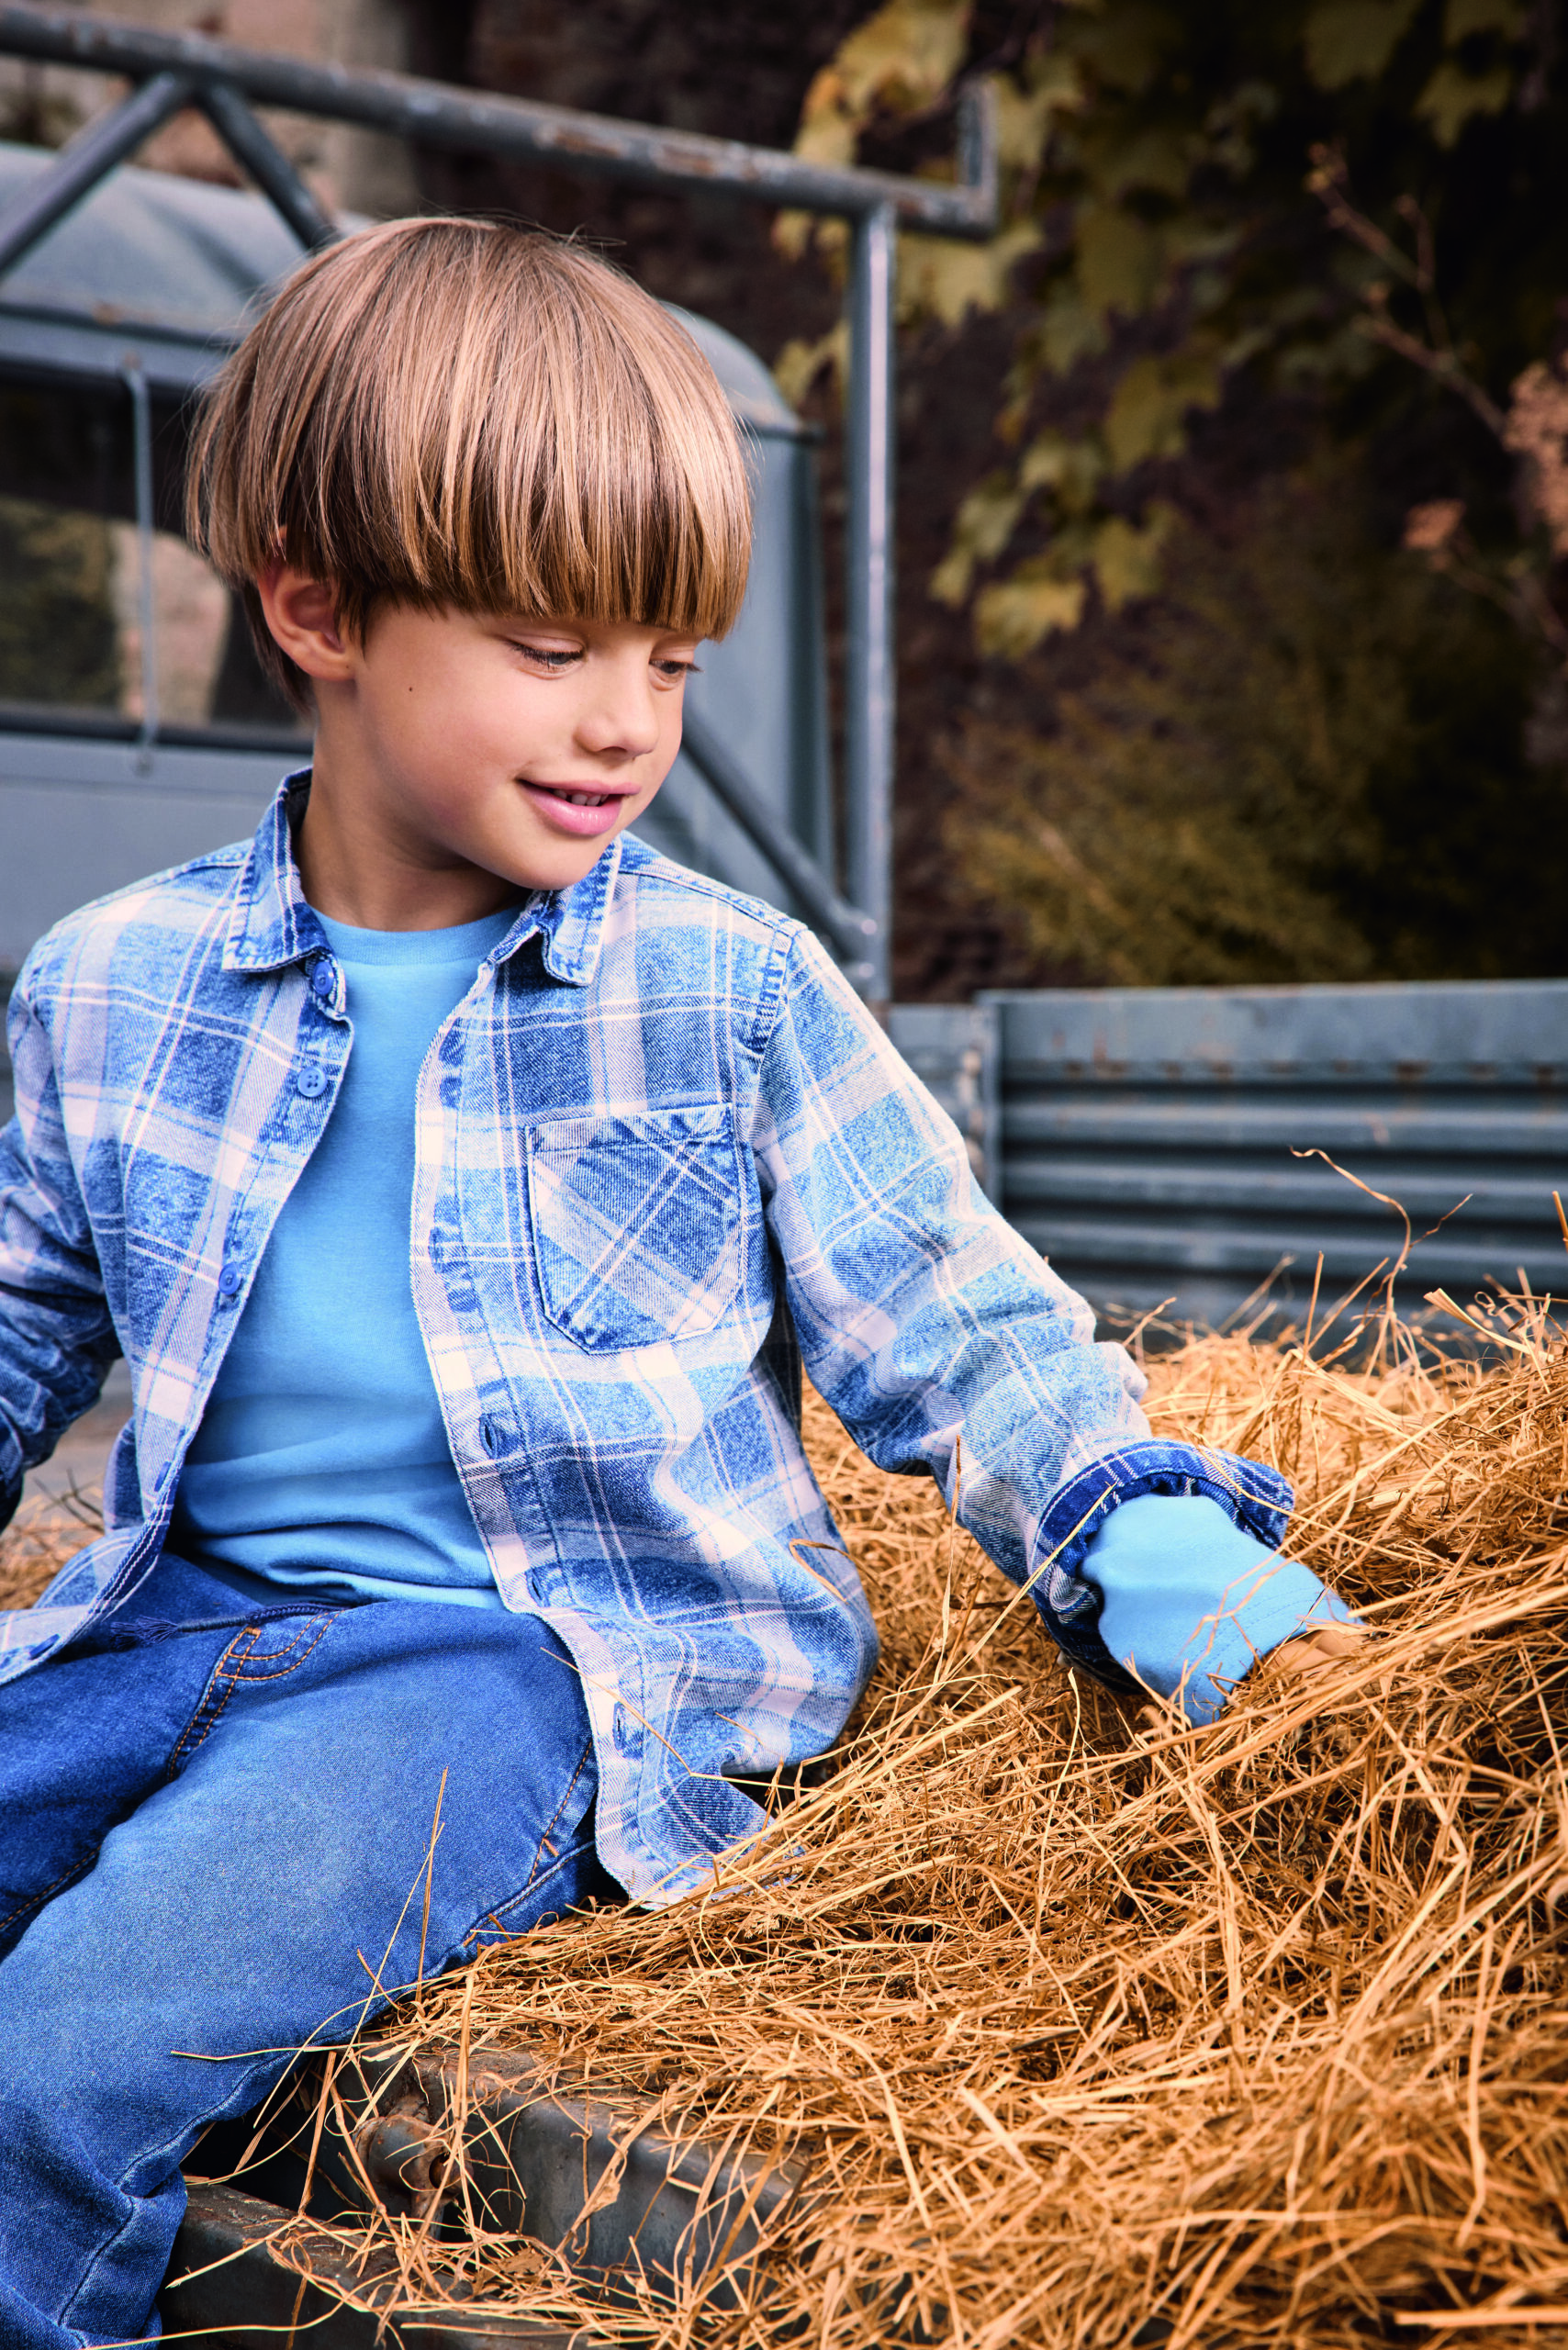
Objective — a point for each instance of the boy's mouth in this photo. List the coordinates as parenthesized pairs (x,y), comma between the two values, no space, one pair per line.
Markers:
(574,810)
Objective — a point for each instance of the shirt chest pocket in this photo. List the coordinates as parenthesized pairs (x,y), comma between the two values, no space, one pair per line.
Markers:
(639,1225)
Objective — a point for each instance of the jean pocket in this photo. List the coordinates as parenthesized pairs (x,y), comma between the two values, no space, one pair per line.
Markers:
(639,1225)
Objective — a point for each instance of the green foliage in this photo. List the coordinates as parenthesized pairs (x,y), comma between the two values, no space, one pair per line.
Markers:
(1156,167)
(58,637)
(1312,768)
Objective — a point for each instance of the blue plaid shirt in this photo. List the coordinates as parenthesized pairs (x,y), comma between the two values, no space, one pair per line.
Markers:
(658,1143)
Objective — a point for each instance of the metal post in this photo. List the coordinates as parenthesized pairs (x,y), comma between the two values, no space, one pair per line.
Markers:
(869,601)
(142,429)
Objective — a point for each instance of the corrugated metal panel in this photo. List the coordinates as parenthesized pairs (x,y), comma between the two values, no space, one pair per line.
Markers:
(953,1049)
(1149,1138)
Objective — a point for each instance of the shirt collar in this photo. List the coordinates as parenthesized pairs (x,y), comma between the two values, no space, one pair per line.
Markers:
(272,924)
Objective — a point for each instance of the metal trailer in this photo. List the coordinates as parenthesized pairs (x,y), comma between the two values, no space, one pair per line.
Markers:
(169,71)
(1165,1146)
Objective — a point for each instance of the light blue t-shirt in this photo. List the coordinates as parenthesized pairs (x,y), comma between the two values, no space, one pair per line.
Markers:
(322,1461)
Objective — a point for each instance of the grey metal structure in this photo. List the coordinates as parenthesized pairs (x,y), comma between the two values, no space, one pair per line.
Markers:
(1150,1141)
(176,70)
(133,301)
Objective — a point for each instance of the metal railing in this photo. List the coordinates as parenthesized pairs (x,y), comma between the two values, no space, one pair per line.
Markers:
(172,70)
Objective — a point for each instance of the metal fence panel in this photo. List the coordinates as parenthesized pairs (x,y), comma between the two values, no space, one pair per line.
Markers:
(1152,1138)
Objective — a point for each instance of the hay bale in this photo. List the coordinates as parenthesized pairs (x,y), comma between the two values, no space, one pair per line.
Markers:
(1087,2022)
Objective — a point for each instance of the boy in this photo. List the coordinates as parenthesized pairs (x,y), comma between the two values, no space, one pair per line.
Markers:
(459,1180)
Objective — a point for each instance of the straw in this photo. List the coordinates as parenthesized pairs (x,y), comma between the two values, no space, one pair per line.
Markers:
(1084,2021)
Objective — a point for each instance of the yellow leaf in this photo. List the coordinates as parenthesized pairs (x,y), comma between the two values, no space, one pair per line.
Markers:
(898,61)
(1119,261)
(800,363)
(939,278)
(1070,468)
(949,582)
(792,234)
(985,519)
(1451,97)
(981,528)
(1347,39)
(828,128)
(1013,617)
(1149,409)
(1467,17)
(1024,115)
(1069,329)
(1127,559)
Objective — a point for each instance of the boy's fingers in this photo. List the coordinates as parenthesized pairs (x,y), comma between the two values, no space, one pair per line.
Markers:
(1313,1650)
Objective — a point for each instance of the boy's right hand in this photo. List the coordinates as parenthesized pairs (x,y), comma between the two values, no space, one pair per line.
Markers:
(1313,1650)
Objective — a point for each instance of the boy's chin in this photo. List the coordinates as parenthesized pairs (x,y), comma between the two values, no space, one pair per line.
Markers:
(531,872)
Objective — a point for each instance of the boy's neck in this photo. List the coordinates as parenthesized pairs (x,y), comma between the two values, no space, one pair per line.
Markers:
(355,868)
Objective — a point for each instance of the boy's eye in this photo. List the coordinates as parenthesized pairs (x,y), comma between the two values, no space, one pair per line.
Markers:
(673,668)
(550,657)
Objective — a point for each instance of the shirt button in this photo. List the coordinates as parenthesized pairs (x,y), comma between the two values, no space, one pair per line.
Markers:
(324,976)
(310,1080)
(229,1281)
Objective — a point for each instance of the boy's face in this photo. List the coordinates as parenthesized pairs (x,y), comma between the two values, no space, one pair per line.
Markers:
(455,741)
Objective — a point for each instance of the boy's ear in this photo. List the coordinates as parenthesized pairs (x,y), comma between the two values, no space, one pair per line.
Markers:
(301,614)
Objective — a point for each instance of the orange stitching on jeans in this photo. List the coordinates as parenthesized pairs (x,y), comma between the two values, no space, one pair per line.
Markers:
(210,1702)
(492,1917)
(321,1619)
(188,1744)
(544,1845)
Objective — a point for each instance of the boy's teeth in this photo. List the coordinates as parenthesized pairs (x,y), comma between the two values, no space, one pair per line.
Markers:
(585,800)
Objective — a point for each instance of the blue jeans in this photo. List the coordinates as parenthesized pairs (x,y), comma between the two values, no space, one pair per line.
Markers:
(213,1824)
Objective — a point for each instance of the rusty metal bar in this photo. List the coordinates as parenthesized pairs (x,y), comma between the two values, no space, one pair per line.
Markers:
(267,164)
(440,115)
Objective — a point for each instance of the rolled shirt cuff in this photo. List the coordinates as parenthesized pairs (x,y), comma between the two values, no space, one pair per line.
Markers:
(1190,1601)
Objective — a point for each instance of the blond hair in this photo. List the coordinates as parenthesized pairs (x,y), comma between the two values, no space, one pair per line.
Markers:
(460,414)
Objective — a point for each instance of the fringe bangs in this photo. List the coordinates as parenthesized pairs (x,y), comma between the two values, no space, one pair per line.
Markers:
(458,414)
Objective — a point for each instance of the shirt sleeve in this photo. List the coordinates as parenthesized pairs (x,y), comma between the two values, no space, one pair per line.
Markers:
(941,1339)
(1189,1601)
(57,1341)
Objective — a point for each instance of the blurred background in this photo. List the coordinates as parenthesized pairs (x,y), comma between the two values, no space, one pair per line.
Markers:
(1231,779)
(1232,491)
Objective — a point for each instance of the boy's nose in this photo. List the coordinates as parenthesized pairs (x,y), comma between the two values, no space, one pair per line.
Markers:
(620,719)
